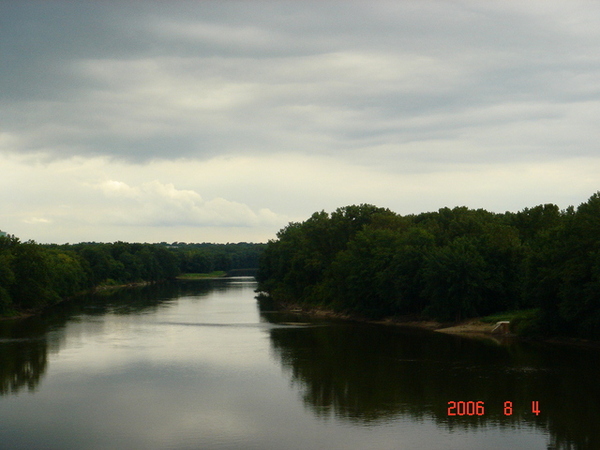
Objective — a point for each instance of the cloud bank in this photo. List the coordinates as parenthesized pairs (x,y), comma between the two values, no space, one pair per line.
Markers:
(157,204)
(290,107)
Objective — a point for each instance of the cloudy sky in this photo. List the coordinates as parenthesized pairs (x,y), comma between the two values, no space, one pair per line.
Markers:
(222,121)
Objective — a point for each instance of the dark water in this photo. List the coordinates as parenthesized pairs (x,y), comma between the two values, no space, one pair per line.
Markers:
(198,365)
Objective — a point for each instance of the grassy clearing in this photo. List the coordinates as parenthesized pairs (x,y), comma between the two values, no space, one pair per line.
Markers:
(511,316)
(196,276)
(524,323)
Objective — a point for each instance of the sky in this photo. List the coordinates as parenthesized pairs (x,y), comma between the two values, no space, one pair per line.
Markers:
(223,121)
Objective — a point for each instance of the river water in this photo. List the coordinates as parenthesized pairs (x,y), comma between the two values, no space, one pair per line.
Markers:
(199,364)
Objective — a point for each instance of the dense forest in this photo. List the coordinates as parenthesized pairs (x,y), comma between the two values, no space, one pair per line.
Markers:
(207,258)
(450,265)
(33,276)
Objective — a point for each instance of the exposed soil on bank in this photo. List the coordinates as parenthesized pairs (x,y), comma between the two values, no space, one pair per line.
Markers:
(467,327)
(108,287)
(471,328)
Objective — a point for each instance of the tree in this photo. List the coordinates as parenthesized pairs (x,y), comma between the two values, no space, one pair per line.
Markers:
(32,285)
(454,280)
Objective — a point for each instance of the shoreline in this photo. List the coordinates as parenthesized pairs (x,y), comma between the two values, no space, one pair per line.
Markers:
(19,315)
(466,327)
(472,328)
(108,287)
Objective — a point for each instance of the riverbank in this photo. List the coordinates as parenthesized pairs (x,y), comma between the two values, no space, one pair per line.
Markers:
(472,327)
(108,287)
(476,328)
(18,315)
(202,276)
(403,321)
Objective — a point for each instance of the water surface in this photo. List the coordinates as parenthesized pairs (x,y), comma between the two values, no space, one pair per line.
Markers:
(197,364)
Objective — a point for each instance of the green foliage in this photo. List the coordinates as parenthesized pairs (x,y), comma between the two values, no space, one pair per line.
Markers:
(33,276)
(206,258)
(293,267)
(67,273)
(526,323)
(510,316)
(455,279)
(7,279)
(450,264)
(379,273)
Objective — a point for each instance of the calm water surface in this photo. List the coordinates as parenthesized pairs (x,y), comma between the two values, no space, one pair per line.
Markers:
(199,365)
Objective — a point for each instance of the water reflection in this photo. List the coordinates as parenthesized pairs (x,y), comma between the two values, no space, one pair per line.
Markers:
(357,375)
(25,343)
(23,357)
(375,374)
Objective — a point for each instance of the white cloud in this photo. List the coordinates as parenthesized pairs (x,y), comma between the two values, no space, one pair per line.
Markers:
(158,204)
(37,220)
(224,120)
(251,198)
(113,188)
(59,202)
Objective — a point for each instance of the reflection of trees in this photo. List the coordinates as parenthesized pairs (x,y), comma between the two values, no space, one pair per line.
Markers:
(367,373)
(23,355)
(128,300)
(24,344)
(125,300)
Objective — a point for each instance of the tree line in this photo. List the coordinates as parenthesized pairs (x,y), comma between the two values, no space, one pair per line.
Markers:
(33,276)
(450,265)
(208,257)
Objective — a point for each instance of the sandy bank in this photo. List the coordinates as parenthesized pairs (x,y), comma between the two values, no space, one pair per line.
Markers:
(467,327)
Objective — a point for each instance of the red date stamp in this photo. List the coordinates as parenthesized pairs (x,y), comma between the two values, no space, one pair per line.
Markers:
(478,408)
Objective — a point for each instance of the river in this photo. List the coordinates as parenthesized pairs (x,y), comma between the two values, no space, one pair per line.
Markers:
(198,364)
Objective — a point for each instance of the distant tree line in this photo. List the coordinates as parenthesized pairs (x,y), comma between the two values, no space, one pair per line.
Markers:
(450,264)
(33,276)
(207,257)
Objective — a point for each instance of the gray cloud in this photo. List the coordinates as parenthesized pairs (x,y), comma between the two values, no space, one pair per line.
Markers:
(289,107)
(143,81)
